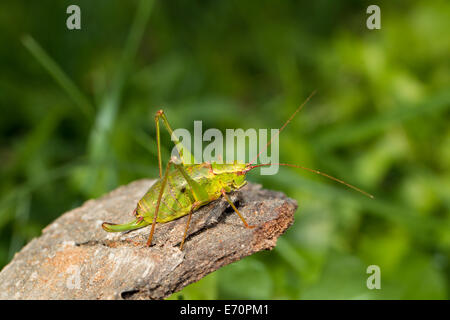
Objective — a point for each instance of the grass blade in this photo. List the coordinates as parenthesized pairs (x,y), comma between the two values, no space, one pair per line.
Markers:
(58,74)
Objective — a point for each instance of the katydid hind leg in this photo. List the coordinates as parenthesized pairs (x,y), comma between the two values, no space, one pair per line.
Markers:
(158,203)
(161,115)
(158,145)
(198,191)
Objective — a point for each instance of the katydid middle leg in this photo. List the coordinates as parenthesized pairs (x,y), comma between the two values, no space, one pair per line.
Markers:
(158,203)
(236,210)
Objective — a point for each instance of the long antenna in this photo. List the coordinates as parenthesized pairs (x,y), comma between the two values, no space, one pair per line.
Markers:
(314,171)
(284,125)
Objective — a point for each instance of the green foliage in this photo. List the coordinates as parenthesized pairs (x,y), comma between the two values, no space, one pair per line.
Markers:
(77,121)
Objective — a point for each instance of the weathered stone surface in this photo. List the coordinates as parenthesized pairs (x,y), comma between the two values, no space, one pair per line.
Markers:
(75,258)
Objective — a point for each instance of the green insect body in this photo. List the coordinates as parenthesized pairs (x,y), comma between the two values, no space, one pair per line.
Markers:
(177,198)
(184,188)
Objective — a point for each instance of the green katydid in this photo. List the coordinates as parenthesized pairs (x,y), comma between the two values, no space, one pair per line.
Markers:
(190,186)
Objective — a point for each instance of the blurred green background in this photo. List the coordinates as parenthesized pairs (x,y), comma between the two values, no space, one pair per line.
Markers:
(77,121)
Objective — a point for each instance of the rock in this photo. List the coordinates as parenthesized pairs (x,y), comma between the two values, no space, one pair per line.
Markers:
(75,258)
